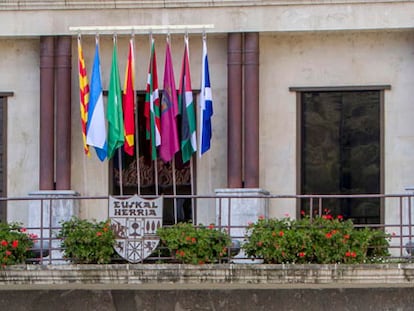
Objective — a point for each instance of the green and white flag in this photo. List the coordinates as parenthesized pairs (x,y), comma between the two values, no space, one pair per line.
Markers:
(186,109)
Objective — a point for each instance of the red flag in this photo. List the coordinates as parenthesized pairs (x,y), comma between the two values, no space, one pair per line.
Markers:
(128,102)
(169,110)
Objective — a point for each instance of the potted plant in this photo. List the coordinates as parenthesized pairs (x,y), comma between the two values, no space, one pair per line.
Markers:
(195,244)
(321,240)
(87,242)
(15,244)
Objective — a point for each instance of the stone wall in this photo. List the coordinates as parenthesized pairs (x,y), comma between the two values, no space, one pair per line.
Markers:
(173,276)
(208,287)
(289,299)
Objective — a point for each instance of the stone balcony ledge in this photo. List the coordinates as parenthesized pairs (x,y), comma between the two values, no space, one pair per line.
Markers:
(165,276)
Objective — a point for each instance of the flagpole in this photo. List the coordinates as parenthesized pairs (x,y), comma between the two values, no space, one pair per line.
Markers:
(121,189)
(86,147)
(174,190)
(156,177)
(137,151)
(155,160)
(193,216)
(173,164)
(202,98)
(136,124)
(173,158)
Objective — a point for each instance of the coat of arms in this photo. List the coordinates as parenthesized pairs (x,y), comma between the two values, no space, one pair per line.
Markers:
(135,222)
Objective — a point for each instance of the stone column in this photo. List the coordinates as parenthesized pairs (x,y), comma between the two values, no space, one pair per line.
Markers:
(50,207)
(46,212)
(234,124)
(236,208)
(47,129)
(251,110)
(63,111)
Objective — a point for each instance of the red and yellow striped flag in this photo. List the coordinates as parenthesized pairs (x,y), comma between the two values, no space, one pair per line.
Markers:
(83,95)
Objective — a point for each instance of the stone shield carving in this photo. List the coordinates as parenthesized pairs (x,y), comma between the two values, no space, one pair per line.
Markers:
(135,222)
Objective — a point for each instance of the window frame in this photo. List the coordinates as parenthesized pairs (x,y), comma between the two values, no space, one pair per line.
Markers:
(3,101)
(299,91)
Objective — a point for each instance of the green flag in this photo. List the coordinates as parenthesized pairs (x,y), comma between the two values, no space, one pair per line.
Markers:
(115,117)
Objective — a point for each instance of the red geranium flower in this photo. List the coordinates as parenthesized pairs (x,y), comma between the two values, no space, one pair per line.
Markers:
(4,243)
(301,254)
(15,243)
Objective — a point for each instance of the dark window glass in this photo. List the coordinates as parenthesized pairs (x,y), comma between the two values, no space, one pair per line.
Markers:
(340,153)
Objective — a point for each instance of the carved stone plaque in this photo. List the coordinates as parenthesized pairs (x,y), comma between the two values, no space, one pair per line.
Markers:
(135,222)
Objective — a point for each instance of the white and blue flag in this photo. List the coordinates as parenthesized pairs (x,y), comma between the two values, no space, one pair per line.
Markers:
(96,126)
(206,104)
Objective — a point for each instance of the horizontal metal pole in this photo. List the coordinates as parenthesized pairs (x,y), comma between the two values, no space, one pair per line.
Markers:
(143,29)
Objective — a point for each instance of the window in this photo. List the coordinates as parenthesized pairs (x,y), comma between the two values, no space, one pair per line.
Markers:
(146,182)
(340,150)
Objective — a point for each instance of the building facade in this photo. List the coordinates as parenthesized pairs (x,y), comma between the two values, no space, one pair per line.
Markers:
(288,78)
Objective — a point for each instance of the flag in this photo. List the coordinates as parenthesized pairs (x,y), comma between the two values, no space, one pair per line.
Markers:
(83,95)
(169,109)
(115,117)
(96,129)
(128,102)
(186,109)
(206,104)
(152,105)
